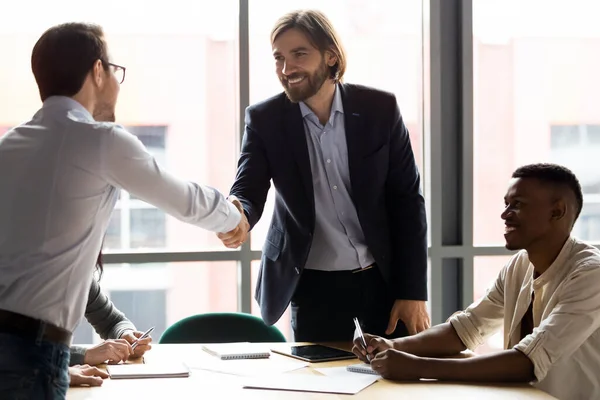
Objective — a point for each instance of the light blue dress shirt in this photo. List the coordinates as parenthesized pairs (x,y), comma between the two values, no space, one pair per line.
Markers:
(338,241)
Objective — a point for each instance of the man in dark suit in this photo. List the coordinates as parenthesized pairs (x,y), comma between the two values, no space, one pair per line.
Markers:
(348,237)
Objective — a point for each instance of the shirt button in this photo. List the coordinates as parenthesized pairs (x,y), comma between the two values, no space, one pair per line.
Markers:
(334,187)
(328,160)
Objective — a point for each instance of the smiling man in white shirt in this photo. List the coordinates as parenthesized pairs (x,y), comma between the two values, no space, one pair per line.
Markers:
(547,299)
(61,175)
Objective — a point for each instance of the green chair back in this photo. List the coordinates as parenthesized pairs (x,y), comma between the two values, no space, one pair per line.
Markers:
(221,328)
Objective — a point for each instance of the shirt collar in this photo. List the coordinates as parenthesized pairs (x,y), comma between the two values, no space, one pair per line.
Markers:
(336,105)
(557,265)
(68,104)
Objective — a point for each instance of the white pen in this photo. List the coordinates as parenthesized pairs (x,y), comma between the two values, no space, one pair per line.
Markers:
(144,336)
(362,337)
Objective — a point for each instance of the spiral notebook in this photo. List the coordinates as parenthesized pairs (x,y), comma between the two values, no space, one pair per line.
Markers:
(236,351)
(135,371)
(361,368)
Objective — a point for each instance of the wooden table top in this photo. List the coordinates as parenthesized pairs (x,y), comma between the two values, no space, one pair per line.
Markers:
(208,385)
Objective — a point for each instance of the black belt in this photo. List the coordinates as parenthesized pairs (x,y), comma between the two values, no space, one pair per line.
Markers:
(30,328)
(345,271)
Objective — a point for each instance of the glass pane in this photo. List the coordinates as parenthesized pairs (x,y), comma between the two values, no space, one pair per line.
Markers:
(485,272)
(535,89)
(379,37)
(161,294)
(178,97)
(148,228)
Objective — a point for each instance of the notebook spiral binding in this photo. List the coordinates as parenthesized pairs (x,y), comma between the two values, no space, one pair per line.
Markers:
(361,368)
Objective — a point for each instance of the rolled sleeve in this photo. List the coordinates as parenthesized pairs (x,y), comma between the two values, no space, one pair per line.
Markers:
(483,318)
(466,330)
(574,319)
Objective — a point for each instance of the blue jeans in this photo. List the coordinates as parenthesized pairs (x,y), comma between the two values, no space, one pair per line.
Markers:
(32,369)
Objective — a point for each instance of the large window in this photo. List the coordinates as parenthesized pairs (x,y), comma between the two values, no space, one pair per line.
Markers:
(535,88)
(536,84)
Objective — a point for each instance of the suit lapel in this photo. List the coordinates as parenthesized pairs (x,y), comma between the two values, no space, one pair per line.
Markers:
(355,135)
(294,127)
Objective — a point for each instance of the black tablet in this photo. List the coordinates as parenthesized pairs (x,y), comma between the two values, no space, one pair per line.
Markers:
(315,353)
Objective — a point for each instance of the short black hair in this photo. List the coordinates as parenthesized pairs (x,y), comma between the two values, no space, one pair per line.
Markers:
(553,174)
(64,55)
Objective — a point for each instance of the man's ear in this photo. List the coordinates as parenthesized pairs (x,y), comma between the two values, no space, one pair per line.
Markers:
(559,209)
(98,73)
(330,58)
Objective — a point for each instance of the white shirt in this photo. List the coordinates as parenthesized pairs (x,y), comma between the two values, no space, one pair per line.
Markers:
(565,344)
(59,180)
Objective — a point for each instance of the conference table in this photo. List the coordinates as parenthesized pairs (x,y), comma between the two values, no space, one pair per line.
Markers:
(206,384)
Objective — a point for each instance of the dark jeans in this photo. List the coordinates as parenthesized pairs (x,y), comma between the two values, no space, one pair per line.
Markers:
(32,369)
(325,303)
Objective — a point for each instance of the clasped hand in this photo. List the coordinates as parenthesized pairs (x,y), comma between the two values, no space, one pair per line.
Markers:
(236,237)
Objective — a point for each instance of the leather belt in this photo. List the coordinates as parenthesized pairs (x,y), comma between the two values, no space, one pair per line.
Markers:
(354,271)
(28,327)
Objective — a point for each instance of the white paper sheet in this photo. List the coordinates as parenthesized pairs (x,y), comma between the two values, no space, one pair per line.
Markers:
(350,384)
(249,368)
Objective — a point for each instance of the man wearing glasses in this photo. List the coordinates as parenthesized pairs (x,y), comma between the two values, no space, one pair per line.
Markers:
(61,175)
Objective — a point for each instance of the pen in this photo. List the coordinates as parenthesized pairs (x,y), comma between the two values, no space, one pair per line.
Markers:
(144,336)
(362,337)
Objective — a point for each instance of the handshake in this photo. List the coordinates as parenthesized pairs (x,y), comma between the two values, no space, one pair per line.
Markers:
(236,237)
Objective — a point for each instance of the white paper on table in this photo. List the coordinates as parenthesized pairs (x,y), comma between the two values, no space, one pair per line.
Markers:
(249,368)
(314,383)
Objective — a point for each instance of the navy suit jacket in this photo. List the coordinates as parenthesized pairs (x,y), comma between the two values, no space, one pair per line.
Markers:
(385,187)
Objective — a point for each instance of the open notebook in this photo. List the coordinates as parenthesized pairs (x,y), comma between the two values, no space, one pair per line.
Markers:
(161,370)
(236,351)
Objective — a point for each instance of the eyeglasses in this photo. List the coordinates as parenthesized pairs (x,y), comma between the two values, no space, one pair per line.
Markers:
(119,72)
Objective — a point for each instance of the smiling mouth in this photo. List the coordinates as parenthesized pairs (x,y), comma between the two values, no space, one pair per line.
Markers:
(509,229)
(295,81)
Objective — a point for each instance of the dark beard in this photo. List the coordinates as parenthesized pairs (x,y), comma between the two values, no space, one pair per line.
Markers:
(315,82)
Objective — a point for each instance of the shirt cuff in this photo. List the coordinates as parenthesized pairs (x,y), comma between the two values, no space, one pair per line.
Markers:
(233,218)
(532,347)
(121,328)
(466,330)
